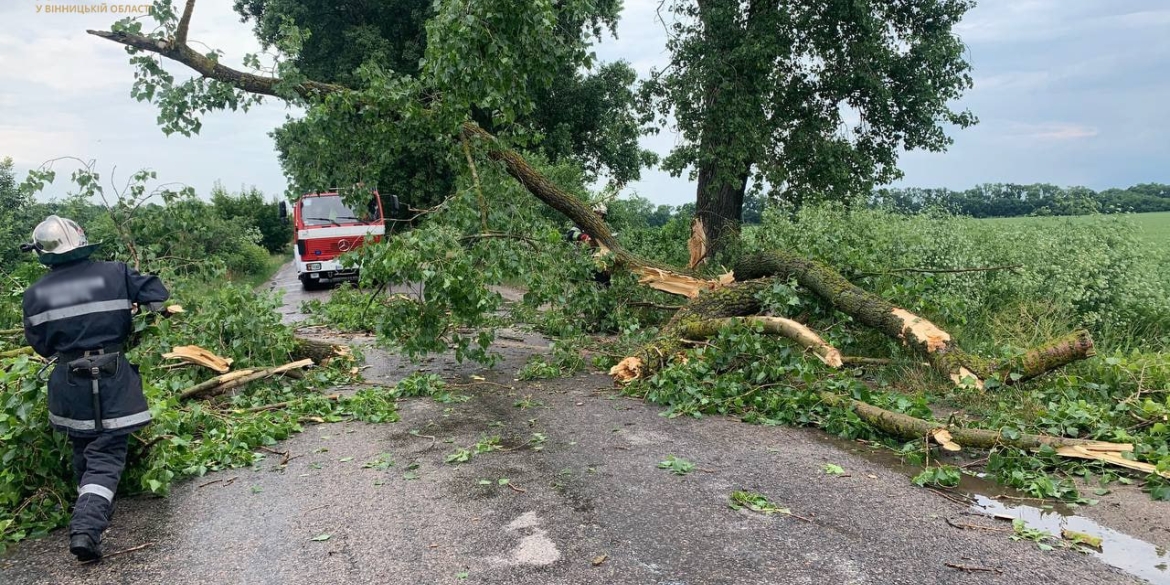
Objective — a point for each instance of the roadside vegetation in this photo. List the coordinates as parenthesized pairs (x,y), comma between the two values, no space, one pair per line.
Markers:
(209,255)
(494,168)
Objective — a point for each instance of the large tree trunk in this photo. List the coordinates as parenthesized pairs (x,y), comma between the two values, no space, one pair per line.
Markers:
(719,205)
(943,352)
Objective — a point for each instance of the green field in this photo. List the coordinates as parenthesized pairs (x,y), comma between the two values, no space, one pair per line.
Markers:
(1153,227)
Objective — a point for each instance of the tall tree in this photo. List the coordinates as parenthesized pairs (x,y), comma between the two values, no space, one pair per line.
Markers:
(807,98)
(586,117)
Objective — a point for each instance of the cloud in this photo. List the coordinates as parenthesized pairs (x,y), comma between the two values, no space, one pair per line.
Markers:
(31,146)
(61,62)
(1056,131)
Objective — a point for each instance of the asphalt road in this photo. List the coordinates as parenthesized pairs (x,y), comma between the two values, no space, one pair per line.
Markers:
(585,502)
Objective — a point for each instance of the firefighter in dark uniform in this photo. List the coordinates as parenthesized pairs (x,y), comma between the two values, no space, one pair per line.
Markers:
(80,312)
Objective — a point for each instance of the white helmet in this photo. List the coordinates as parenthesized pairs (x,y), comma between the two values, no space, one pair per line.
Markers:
(58,240)
(600,209)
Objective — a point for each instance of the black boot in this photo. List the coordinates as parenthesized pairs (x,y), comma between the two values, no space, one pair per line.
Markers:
(84,547)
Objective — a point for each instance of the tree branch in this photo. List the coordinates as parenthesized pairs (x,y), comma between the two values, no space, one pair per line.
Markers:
(655,275)
(181,53)
(184,23)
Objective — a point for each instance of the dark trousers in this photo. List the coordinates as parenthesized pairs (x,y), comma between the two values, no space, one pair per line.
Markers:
(97,466)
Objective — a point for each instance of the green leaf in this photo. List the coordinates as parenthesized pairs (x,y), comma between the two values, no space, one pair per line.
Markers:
(321,537)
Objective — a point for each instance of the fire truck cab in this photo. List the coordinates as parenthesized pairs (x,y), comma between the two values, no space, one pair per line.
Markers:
(324,228)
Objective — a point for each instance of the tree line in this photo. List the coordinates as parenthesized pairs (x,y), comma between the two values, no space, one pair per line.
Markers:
(1011,200)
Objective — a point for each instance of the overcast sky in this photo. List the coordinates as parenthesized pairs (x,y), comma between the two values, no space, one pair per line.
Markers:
(1071,92)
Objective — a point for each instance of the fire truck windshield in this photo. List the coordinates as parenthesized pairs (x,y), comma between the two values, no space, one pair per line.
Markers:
(331,210)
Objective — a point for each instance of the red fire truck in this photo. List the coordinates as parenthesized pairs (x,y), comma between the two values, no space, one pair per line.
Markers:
(324,228)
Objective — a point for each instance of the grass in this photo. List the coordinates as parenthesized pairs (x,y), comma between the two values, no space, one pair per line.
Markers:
(1154,228)
(275,261)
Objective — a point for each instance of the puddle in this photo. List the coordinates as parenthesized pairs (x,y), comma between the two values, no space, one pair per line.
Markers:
(1132,555)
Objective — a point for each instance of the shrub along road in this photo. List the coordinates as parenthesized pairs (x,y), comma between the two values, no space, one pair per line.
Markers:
(571,492)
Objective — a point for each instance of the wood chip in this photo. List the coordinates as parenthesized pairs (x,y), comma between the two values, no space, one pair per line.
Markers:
(944,440)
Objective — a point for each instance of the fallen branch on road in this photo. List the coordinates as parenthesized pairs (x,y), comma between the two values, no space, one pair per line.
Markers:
(221,384)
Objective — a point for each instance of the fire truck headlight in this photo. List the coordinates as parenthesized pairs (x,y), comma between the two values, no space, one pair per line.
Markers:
(313,266)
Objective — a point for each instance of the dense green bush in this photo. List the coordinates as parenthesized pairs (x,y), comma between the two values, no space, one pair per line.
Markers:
(191,245)
(249,208)
(186,438)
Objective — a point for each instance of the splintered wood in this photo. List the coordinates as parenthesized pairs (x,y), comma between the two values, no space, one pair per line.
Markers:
(193,354)
(678,284)
(922,331)
(697,245)
(1109,453)
(934,340)
(627,370)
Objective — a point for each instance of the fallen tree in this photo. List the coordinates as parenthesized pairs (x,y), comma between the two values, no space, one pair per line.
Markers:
(714,303)
(918,333)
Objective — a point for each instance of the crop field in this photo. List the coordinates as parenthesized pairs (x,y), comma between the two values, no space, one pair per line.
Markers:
(1152,227)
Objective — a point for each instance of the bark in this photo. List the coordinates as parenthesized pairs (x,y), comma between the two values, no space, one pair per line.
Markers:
(719,205)
(794,331)
(941,350)
(16,352)
(908,427)
(205,386)
(317,350)
(221,384)
(735,300)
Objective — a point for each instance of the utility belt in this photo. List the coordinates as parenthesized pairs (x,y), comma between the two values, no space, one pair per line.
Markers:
(114,349)
(93,365)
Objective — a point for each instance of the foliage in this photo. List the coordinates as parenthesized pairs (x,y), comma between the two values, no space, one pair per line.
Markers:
(565,361)
(249,209)
(1010,200)
(945,476)
(809,99)
(443,277)
(463,455)
(755,502)
(536,88)
(676,465)
(1097,273)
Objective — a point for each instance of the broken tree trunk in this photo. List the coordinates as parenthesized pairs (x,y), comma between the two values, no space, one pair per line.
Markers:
(734,300)
(193,354)
(943,352)
(220,384)
(908,427)
(317,350)
(797,332)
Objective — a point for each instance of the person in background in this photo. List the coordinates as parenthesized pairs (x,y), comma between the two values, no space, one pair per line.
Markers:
(578,236)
